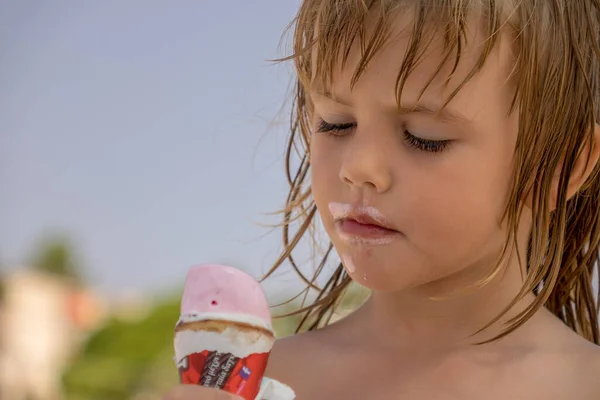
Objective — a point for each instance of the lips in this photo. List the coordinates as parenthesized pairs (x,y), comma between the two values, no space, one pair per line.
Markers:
(367,220)
(354,227)
(362,224)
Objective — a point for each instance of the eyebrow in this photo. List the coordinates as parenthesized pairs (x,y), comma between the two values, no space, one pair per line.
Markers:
(444,115)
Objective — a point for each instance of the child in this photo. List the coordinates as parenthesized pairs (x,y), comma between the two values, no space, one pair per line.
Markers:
(453,153)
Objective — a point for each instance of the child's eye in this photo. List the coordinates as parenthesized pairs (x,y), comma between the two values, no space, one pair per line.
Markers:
(431,146)
(334,129)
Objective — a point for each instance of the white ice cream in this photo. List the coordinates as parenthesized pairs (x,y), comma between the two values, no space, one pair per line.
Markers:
(232,340)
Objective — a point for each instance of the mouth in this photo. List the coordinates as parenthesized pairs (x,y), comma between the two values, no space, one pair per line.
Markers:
(362,224)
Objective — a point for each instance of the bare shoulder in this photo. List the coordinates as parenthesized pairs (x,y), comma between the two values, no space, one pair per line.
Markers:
(567,363)
(588,371)
(292,355)
(578,370)
(300,359)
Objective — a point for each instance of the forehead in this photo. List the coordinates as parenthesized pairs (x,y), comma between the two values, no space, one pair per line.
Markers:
(441,67)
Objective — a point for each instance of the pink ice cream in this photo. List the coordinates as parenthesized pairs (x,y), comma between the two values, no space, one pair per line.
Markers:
(218,289)
(224,337)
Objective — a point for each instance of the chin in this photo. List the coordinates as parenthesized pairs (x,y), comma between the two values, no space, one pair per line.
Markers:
(375,276)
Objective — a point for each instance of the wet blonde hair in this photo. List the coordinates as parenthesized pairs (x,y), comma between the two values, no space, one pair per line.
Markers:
(556,76)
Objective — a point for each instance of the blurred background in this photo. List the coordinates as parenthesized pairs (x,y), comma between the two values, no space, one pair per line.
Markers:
(137,138)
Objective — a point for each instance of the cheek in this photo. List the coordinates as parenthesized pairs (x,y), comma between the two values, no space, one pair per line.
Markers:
(324,168)
(456,214)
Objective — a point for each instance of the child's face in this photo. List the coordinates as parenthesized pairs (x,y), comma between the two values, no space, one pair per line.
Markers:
(447,204)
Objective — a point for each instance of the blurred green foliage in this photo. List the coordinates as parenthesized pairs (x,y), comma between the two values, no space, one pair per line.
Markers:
(55,254)
(2,290)
(124,358)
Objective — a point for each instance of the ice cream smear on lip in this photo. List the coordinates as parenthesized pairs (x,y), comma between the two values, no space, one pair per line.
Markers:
(224,336)
(339,210)
(343,210)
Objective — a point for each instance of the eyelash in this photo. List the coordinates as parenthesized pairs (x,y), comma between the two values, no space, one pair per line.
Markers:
(430,146)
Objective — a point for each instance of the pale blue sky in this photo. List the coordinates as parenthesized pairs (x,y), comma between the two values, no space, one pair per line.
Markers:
(147,130)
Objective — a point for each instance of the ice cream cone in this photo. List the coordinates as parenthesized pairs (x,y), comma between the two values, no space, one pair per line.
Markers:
(223,337)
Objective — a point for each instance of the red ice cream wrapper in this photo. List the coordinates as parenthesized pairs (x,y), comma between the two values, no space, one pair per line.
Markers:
(224,371)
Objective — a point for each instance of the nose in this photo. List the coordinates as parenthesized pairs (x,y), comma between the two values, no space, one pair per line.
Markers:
(367,164)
